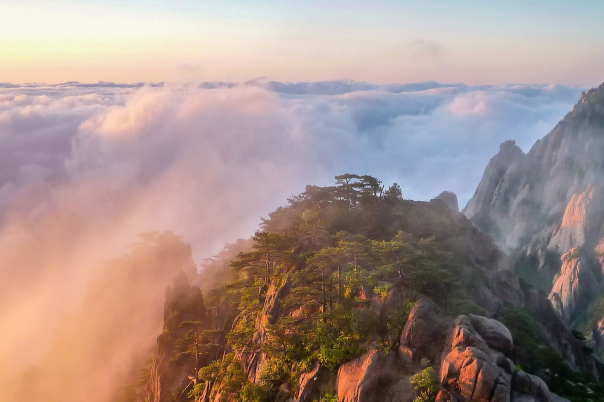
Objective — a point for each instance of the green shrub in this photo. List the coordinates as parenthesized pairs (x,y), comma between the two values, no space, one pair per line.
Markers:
(196,391)
(329,398)
(273,374)
(396,320)
(382,290)
(253,393)
(426,385)
(337,351)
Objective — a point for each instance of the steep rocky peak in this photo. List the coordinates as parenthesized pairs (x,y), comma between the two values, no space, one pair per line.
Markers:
(491,199)
(590,102)
(575,213)
(580,224)
(177,356)
(509,152)
(183,299)
(180,281)
(450,199)
(521,196)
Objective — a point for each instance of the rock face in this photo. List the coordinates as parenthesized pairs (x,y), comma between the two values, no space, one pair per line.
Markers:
(310,382)
(581,222)
(520,195)
(171,370)
(373,377)
(474,367)
(490,204)
(545,206)
(555,333)
(575,285)
(423,333)
(254,361)
(450,199)
(473,370)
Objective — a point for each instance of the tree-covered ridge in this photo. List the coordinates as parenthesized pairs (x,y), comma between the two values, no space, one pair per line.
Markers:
(310,289)
(336,275)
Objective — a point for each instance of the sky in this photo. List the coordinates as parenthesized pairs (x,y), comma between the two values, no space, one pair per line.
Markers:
(382,41)
(119,117)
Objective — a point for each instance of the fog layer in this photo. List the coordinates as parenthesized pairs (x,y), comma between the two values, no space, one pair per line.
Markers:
(85,168)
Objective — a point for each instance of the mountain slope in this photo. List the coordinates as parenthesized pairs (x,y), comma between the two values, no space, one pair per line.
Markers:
(351,293)
(521,195)
(545,208)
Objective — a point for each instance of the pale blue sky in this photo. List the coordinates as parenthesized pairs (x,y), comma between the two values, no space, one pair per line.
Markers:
(476,42)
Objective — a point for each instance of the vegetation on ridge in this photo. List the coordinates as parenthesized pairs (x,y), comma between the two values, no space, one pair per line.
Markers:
(335,253)
(313,285)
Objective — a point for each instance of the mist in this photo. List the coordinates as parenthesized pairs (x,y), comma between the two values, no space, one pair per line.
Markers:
(86,168)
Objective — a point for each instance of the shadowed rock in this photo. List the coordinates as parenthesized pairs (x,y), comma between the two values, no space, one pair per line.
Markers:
(422,333)
(450,199)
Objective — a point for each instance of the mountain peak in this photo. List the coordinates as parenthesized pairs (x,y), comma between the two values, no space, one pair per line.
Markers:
(521,195)
(590,103)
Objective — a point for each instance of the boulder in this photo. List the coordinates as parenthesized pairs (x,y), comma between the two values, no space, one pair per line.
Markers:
(495,334)
(359,379)
(473,371)
(423,333)
(373,377)
(310,382)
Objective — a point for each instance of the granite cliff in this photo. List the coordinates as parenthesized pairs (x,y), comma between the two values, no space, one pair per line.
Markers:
(545,209)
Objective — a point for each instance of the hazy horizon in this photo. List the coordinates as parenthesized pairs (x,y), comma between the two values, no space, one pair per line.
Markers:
(385,41)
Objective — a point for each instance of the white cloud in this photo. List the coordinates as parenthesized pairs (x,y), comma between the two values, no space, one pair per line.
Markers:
(84,168)
(425,48)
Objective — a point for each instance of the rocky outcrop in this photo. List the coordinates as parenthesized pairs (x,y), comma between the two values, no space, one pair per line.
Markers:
(423,333)
(310,383)
(373,377)
(491,202)
(581,222)
(520,196)
(450,199)
(494,333)
(477,368)
(173,369)
(474,365)
(575,285)
(253,360)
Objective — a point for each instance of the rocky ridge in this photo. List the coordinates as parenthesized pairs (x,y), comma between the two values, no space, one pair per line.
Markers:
(545,206)
(325,314)
(173,369)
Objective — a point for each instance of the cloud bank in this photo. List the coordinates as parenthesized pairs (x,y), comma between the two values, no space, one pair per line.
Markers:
(84,168)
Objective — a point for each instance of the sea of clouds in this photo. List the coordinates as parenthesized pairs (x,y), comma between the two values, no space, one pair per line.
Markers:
(84,168)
